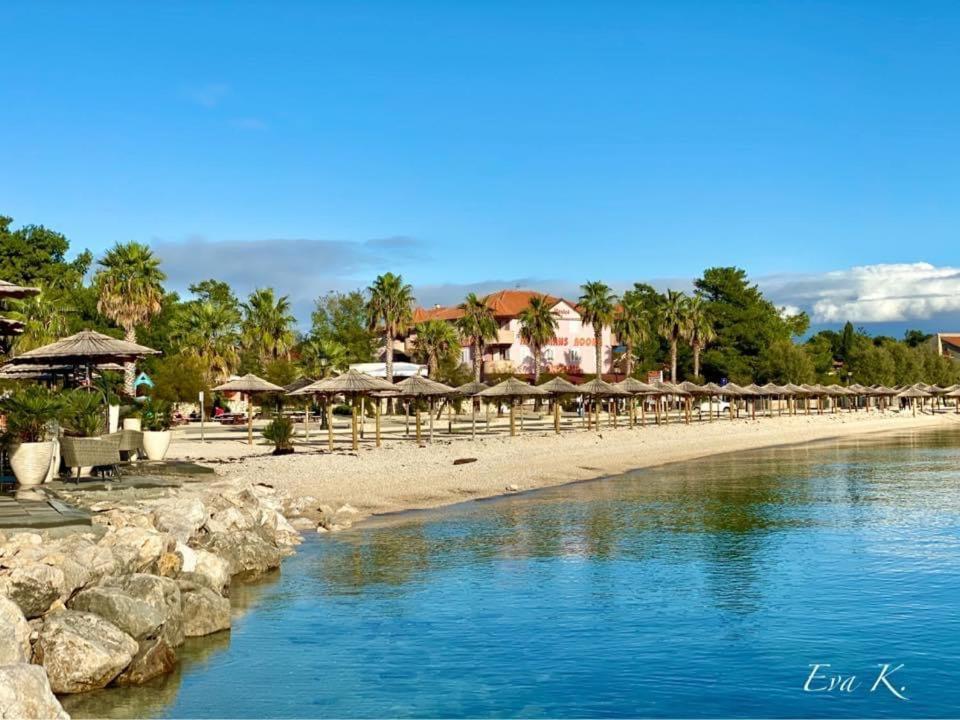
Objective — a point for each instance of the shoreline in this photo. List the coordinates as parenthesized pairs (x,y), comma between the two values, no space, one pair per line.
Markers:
(400,477)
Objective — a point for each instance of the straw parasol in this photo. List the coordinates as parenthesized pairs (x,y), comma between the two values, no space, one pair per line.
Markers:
(511,389)
(598,388)
(416,386)
(955,393)
(86,348)
(635,387)
(557,387)
(249,385)
(11,291)
(353,384)
(469,390)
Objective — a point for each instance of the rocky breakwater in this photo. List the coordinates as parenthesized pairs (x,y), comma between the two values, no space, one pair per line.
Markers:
(110,604)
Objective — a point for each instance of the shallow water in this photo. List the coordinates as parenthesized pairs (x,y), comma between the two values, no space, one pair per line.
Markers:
(701,589)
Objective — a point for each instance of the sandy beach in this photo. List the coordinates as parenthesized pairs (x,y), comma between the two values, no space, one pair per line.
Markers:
(401,476)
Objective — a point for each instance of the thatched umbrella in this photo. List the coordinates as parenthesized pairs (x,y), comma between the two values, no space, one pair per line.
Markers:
(290,388)
(353,384)
(469,390)
(416,386)
(557,387)
(710,390)
(85,349)
(597,389)
(511,389)
(955,393)
(249,385)
(9,290)
(636,388)
(912,393)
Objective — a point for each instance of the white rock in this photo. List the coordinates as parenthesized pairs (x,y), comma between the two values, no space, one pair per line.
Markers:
(14,634)
(25,693)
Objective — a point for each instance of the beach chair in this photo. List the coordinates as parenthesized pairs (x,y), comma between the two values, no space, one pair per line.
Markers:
(97,452)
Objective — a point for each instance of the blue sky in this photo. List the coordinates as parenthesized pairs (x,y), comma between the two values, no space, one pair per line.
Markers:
(470,144)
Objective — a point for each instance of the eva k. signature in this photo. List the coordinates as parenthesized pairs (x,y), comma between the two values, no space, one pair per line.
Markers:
(822,680)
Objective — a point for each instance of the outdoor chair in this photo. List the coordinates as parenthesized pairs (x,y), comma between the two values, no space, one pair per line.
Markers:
(103,451)
(131,441)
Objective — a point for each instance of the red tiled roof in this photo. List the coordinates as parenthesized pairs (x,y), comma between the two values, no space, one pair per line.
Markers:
(504,303)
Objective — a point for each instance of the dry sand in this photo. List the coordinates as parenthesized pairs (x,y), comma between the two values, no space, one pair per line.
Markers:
(401,476)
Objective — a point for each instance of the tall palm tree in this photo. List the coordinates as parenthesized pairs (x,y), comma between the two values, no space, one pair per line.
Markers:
(436,341)
(597,307)
(390,310)
(700,331)
(673,324)
(209,331)
(321,358)
(632,326)
(538,326)
(477,325)
(267,325)
(129,288)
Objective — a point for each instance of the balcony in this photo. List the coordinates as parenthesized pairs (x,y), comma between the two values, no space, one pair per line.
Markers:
(505,336)
(498,367)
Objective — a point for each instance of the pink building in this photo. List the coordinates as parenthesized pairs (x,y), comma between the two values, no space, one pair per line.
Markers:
(571,351)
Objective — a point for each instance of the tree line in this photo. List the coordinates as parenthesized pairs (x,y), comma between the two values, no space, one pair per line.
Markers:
(724,329)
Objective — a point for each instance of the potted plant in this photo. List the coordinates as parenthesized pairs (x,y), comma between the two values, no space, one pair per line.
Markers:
(81,419)
(279,431)
(132,418)
(156,421)
(28,413)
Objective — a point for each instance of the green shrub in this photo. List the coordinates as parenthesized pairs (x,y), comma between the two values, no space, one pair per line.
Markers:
(28,412)
(279,431)
(83,414)
(156,415)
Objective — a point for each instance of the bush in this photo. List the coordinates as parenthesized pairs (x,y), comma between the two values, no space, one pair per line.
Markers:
(83,414)
(279,431)
(28,412)
(342,410)
(156,415)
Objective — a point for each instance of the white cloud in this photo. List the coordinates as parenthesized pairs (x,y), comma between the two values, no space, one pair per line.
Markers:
(870,293)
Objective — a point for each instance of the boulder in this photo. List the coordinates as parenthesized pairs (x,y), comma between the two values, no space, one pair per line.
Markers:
(135,548)
(81,651)
(204,612)
(179,516)
(300,505)
(169,564)
(214,569)
(163,595)
(136,617)
(155,658)
(246,552)
(188,557)
(230,519)
(25,693)
(33,587)
(14,634)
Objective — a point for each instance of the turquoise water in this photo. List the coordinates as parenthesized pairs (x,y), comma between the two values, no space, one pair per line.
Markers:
(694,590)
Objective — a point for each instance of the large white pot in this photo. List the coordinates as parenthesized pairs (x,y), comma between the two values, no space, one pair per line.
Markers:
(131,424)
(113,423)
(30,462)
(155,444)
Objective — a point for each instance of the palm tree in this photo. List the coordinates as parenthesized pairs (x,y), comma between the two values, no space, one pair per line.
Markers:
(436,341)
(209,331)
(267,325)
(597,307)
(129,288)
(632,326)
(44,319)
(538,326)
(699,329)
(390,310)
(673,324)
(477,325)
(321,358)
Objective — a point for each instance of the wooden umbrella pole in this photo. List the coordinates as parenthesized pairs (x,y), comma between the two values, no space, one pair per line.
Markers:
(430,405)
(353,424)
(615,410)
(473,418)
(488,417)
(416,412)
(328,402)
(513,427)
(632,407)
(643,411)
(363,415)
(521,414)
(376,415)
(249,419)
(449,417)
(406,422)
(597,402)
(688,406)
(556,415)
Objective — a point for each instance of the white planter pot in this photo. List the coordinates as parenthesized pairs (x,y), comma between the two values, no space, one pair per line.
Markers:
(131,424)
(155,444)
(114,420)
(54,462)
(30,462)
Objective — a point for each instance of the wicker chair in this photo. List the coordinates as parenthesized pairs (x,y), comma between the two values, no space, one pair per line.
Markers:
(131,441)
(92,452)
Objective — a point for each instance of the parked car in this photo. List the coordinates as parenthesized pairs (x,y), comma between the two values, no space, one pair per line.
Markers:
(719,406)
